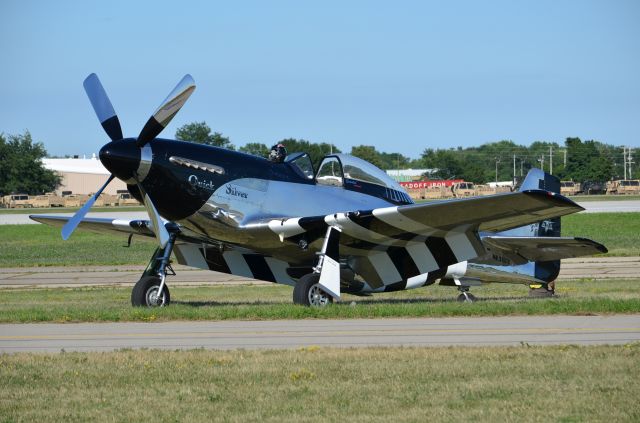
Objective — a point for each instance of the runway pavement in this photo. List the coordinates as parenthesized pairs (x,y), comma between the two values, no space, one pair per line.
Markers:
(608,206)
(579,268)
(431,332)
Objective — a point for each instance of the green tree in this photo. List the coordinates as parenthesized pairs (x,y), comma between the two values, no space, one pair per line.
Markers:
(368,153)
(446,161)
(200,133)
(255,148)
(393,161)
(21,168)
(586,161)
(316,151)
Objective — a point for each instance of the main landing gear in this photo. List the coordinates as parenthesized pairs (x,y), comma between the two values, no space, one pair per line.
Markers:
(318,289)
(151,290)
(308,292)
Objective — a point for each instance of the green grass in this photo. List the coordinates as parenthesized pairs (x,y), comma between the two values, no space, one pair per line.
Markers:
(41,245)
(552,383)
(583,198)
(50,210)
(619,232)
(274,302)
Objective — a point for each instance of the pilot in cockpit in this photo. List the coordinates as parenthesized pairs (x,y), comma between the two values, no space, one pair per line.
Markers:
(278,153)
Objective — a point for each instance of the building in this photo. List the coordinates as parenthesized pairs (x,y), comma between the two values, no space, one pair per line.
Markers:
(82,176)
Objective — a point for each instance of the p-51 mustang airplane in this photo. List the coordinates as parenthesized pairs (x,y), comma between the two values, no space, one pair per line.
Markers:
(346,227)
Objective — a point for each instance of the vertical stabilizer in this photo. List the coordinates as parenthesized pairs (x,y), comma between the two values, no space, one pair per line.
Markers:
(538,179)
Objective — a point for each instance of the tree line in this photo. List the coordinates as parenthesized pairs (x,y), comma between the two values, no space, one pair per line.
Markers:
(21,169)
(574,160)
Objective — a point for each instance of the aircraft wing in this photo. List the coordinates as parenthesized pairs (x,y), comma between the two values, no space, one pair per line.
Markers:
(188,250)
(491,213)
(523,249)
(391,245)
(100,224)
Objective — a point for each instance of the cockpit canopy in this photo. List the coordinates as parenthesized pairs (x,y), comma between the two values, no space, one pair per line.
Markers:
(355,174)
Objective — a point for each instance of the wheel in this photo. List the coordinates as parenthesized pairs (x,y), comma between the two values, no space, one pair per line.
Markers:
(466,297)
(145,293)
(542,292)
(307,292)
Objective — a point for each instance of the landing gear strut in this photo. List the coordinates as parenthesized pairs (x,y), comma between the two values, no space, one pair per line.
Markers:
(318,289)
(151,290)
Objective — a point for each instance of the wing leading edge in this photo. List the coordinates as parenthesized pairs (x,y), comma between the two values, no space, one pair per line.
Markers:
(100,225)
(394,247)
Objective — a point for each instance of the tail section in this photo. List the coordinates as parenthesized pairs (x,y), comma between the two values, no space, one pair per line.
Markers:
(531,253)
(546,271)
(538,179)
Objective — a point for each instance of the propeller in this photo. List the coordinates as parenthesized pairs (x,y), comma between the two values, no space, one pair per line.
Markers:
(109,119)
(103,107)
(72,223)
(162,235)
(167,110)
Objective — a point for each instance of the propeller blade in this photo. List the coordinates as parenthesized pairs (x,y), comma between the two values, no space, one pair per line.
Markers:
(72,223)
(103,107)
(162,235)
(167,110)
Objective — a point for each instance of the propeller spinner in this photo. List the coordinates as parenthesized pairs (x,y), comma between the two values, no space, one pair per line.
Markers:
(123,157)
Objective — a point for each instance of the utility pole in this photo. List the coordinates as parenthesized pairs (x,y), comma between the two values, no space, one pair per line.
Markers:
(541,160)
(551,160)
(630,162)
(624,161)
(565,157)
(514,170)
(497,161)
(521,174)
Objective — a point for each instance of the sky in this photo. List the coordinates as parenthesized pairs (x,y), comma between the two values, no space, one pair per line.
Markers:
(402,76)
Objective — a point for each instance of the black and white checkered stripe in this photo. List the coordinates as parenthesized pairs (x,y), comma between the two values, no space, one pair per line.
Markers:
(247,264)
(390,250)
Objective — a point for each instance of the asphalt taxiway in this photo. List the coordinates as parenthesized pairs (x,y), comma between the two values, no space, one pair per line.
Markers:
(429,332)
(32,277)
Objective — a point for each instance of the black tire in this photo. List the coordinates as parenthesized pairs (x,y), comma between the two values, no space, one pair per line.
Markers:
(466,297)
(540,293)
(308,293)
(143,292)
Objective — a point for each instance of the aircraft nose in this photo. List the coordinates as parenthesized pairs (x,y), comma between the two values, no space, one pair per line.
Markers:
(121,158)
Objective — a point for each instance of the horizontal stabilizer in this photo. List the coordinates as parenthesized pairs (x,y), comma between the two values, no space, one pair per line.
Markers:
(520,250)
(492,275)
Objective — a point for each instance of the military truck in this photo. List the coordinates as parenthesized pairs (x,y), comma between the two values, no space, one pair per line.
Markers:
(570,188)
(624,187)
(463,189)
(593,187)
(491,189)
(125,198)
(16,201)
(71,200)
(55,200)
(39,201)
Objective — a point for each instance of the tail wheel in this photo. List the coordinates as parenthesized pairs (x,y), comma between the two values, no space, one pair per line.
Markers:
(145,293)
(308,292)
(466,297)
